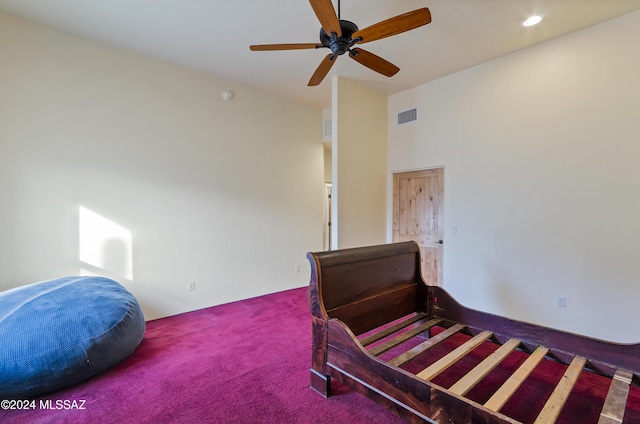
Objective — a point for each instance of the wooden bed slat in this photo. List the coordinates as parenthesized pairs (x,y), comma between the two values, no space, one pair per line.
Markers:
(400,360)
(466,383)
(502,395)
(445,362)
(616,401)
(390,344)
(388,331)
(555,403)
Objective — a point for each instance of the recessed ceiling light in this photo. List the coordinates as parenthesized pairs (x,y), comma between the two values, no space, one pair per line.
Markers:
(532,20)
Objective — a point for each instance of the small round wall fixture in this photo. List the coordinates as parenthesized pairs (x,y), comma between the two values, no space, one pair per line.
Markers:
(227,95)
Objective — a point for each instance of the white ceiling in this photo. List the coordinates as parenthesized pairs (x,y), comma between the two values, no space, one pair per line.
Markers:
(214,35)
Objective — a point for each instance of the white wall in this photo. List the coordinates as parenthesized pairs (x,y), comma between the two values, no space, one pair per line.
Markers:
(359,149)
(326,141)
(192,188)
(542,181)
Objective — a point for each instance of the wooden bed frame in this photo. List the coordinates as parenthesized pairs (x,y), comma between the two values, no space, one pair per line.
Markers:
(366,301)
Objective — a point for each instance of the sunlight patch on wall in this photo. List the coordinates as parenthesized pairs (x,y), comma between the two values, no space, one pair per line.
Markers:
(105,245)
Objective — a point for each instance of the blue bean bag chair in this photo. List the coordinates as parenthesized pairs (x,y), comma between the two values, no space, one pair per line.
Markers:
(57,333)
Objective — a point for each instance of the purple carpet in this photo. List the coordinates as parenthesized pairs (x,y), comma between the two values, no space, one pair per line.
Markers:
(244,362)
(248,362)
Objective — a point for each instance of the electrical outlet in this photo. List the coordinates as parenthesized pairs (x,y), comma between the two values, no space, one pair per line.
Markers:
(191,286)
(562,302)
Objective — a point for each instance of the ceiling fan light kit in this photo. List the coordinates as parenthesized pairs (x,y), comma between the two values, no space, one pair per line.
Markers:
(340,36)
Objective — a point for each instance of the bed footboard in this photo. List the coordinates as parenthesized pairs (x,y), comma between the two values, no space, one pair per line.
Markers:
(381,331)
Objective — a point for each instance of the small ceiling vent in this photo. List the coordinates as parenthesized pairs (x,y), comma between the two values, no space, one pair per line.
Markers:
(326,128)
(408,116)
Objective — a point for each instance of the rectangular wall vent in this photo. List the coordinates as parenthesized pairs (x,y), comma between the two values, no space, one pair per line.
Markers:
(408,116)
(326,128)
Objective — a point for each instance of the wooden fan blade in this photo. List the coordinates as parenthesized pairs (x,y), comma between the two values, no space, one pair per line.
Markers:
(295,46)
(323,70)
(393,26)
(373,62)
(326,14)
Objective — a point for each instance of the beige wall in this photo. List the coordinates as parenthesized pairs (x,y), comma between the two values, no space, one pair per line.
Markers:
(542,181)
(359,149)
(177,185)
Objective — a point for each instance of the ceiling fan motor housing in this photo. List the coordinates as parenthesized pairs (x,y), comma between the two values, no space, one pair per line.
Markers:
(342,44)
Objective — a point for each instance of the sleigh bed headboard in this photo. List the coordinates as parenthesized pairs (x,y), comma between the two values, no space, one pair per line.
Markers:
(367,287)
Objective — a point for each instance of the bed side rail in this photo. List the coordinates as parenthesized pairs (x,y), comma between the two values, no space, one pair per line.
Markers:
(604,356)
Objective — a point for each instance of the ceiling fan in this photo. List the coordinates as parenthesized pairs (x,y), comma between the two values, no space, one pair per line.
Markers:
(340,36)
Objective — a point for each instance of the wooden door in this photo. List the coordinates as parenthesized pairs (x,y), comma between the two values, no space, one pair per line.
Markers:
(417,215)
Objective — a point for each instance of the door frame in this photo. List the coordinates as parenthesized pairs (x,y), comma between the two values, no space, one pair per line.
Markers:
(327,211)
(442,207)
